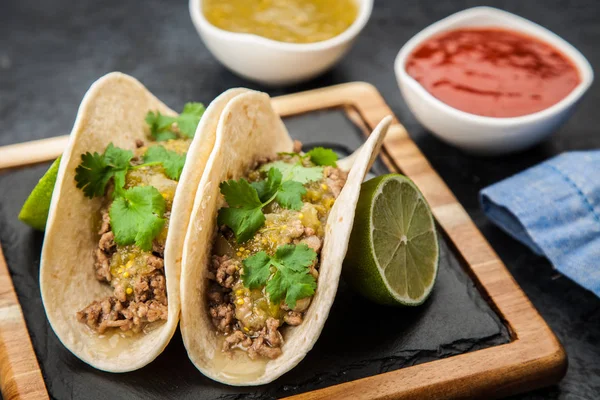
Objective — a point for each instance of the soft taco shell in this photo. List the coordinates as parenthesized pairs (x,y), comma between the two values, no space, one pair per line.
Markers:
(113,110)
(249,129)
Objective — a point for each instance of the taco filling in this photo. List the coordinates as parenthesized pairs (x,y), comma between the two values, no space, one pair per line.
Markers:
(265,260)
(137,189)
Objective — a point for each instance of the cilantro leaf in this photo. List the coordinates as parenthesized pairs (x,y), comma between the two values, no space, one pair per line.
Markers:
(118,159)
(276,288)
(137,216)
(291,281)
(298,287)
(290,195)
(268,187)
(244,215)
(188,120)
(296,172)
(296,257)
(240,194)
(172,161)
(92,174)
(243,222)
(256,270)
(323,156)
(161,126)
(95,170)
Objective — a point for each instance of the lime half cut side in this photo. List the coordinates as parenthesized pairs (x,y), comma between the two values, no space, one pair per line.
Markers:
(393,254)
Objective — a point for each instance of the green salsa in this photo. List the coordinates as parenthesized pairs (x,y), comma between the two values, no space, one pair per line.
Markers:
(293,21)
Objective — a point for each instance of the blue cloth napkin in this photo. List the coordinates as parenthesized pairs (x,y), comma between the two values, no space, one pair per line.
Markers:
(554,209)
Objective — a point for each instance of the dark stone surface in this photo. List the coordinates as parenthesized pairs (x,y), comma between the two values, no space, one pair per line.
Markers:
(51,51)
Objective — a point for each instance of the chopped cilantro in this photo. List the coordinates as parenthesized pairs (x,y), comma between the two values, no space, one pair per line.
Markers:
(161,126)
(137,216)
(244,215)
(291,281)
(323,156)
(171,161)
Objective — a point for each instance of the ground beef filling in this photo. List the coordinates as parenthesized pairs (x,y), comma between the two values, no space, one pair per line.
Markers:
(131,307)
(246,318)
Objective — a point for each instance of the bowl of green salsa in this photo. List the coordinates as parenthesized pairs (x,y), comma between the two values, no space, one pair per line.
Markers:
(279,42)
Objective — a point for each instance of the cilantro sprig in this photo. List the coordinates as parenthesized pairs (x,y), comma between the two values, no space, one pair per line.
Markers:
(95,170)
(244,215)
(286,275)
(319,156)
(136,214)
(161,126)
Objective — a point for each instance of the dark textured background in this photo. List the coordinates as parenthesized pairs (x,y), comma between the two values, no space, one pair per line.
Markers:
(52,50)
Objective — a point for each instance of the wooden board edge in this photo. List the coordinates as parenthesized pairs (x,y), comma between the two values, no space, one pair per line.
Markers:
(36,151)
(20,374)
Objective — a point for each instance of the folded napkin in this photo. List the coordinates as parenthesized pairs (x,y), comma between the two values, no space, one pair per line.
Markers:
(554,209)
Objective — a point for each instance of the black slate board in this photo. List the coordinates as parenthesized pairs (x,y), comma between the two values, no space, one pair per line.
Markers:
(359,338)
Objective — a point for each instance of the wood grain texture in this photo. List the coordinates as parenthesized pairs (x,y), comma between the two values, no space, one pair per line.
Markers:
(533,359)
(20,375)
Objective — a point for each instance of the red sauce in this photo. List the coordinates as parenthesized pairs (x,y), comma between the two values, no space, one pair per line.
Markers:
(492,71)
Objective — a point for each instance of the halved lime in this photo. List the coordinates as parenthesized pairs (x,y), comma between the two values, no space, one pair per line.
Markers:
(35,210)
(393,253)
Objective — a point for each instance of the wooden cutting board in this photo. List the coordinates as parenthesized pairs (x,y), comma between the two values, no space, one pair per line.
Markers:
(533,358)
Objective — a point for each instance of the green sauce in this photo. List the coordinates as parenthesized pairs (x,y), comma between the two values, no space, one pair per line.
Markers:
(292,21)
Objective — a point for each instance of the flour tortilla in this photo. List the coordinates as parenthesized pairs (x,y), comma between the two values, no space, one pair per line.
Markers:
(249,129)
(113,110)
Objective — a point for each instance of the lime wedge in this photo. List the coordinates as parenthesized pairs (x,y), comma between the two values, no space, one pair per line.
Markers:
(35,210)
(393,253)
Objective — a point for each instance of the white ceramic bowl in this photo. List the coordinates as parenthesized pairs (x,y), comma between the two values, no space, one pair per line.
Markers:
(488,135)
(276,63)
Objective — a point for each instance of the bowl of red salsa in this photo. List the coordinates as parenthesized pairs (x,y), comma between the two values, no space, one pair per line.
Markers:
(491,82)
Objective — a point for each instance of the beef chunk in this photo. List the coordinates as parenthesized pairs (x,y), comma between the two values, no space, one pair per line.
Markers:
(107,242)
(216,295)
(236,338)
(225,269)
(223,317)
(260,348)
(335,179)
(102,266)
(312,242)
(147,304)
(293,318)
(105,226)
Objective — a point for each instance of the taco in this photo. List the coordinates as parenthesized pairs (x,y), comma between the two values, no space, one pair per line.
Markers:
(265,244)
(111,257)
